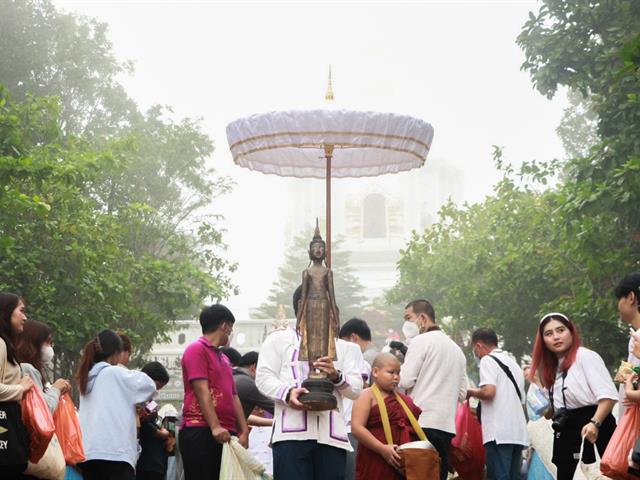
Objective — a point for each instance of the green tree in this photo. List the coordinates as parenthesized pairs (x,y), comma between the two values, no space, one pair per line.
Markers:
(486,265)
(46,52)
(594,48)
(70,256)
(141,178)
(531,248)
(347,286)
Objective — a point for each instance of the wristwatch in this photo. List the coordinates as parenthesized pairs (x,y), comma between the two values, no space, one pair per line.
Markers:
(339,379)
(595,422)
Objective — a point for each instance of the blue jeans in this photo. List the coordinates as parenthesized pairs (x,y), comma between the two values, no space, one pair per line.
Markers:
(307,460)
(503,461)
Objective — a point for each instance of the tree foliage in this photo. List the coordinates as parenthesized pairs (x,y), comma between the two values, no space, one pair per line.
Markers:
(554,236)
(347,286)
(106,217)
(46,52)
(71,257)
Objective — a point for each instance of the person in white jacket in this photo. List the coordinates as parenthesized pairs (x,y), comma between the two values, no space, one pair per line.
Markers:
(306,444)
(108,397)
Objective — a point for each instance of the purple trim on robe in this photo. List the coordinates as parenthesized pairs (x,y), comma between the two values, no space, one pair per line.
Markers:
(293,364)
(331,433)
(294,430)
(342,385)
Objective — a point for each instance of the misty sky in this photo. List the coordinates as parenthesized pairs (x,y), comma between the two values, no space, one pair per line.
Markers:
(454,64)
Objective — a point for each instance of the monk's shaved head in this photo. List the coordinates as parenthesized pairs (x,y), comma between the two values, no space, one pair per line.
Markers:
(383,359)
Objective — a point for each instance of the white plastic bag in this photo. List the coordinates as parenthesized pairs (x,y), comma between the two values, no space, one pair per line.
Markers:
(590,471)
(238,464)
(51,466)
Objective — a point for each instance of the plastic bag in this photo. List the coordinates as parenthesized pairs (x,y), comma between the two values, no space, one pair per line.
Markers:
(73,474)
(68,430)
(238,464)
(51,466)
(537,469)
(615,461)
(589,471)
(39,423)
(467,455)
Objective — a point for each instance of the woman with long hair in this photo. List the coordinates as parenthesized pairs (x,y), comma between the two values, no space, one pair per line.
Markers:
(35,349)
(108,396)
(13,385)
(581,393)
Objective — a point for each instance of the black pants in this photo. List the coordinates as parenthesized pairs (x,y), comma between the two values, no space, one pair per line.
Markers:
(567,442)
(12,472)
(307,460)
(201,453)
(142,475)
(442,443)
(107,470)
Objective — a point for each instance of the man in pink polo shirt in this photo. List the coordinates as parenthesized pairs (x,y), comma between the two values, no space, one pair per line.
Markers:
(212,411)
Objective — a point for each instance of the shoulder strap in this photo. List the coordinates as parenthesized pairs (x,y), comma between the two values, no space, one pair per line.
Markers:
(414,423)
(509,374)
(386,426)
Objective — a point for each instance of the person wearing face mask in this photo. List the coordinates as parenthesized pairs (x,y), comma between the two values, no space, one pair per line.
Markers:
(35,351)
(434,376)
(212,411)
(501,393)
(409,330)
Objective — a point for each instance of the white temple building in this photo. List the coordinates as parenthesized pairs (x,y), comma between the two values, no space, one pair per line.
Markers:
(376,215)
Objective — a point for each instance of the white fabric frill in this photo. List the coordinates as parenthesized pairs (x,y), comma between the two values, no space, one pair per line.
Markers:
(291,143)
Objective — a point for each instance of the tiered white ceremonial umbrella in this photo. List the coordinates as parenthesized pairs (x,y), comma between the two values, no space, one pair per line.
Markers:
(326,143)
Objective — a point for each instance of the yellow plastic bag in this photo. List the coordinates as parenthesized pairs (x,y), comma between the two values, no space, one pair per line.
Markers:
(238,464)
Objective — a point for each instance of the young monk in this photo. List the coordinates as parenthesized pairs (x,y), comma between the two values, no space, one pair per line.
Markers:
(375,459)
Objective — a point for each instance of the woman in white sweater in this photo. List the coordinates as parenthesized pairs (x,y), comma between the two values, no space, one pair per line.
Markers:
(108,396)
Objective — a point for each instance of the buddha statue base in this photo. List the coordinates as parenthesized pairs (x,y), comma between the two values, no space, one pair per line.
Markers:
(320,396)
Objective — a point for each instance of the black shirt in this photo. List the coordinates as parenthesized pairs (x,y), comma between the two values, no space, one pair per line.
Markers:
(153,457)
(249,394)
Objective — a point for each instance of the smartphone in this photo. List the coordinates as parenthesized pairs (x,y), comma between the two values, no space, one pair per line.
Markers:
(170,424)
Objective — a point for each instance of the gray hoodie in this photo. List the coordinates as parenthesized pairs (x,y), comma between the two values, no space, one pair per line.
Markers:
(107,412)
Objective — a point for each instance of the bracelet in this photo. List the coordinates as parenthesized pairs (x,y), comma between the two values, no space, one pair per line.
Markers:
(595,422)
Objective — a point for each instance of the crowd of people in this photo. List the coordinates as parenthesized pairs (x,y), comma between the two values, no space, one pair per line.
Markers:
(384,400)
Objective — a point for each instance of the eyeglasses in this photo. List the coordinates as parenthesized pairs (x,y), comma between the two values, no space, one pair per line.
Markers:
(554,314)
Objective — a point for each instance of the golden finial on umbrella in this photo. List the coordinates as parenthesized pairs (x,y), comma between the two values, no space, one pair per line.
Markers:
(329,95)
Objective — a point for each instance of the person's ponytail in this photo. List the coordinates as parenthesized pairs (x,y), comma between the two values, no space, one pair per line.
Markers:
(103,346)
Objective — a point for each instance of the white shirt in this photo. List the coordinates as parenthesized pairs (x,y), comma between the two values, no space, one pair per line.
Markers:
(434,376)
(505,404)
(279,371)
(587,382)
(365,372)
(635,361)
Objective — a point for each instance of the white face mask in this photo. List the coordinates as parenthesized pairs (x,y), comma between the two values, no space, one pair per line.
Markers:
(46,354)
(410,329)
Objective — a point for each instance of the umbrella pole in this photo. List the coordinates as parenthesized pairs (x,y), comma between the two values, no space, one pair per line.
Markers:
(328,155)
